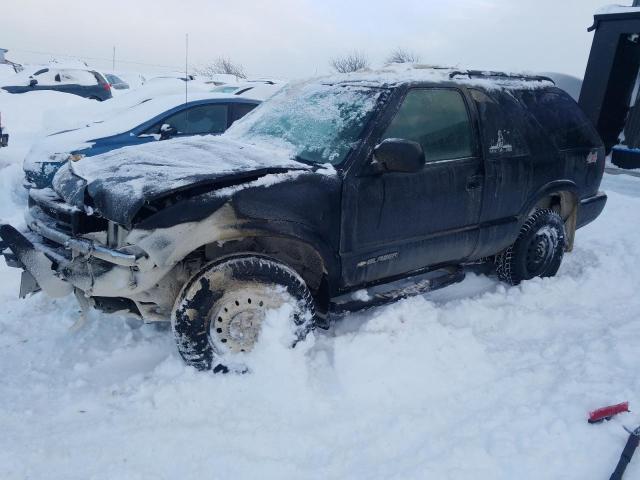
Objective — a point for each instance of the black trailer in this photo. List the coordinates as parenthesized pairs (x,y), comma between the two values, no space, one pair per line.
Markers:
(609,94)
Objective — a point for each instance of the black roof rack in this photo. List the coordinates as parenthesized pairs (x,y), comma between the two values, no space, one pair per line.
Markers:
(501,75)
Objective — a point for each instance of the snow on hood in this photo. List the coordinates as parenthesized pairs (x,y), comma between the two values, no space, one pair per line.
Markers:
(121,181)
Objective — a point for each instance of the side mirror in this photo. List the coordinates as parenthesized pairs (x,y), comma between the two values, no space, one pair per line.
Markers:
(33,82)
(167,131)
(398,155)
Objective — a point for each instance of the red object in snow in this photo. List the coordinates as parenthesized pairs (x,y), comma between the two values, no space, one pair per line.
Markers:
(605,413)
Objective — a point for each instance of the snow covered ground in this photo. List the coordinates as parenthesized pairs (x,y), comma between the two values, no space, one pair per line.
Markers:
(477,381)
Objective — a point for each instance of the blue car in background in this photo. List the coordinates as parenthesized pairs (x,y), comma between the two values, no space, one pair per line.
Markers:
(151,120)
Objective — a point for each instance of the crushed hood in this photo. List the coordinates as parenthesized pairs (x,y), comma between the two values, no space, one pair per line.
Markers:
(118,183)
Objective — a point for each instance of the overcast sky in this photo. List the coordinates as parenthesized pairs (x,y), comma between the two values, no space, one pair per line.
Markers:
(295,38)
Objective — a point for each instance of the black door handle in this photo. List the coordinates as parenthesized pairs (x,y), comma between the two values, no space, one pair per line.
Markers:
(474,182)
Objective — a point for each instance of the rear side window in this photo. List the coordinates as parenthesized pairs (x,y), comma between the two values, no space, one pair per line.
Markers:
(437,119)
(113,78)
(561,119)
(240,110)
(498,115)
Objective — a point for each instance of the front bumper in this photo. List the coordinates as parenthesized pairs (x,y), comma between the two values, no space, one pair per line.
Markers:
(67,249)
(57,257)
(58,269)
(86,266)
(80,246)
(590,208)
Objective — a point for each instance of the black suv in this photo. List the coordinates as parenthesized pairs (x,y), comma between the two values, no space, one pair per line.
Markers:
(335,195)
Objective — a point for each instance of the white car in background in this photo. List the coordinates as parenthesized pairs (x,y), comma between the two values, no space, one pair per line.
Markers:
(262,88)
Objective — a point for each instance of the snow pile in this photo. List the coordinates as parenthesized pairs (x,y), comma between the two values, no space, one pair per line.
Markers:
(27,117)
(6,72)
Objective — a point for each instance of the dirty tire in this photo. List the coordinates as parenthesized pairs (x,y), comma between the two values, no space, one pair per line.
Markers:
(243,284)
(537,252)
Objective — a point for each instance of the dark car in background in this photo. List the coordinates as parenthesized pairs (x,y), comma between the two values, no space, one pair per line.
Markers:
(84,83)
(160,118)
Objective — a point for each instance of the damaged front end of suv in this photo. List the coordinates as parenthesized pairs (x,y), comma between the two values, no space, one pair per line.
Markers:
(208,233)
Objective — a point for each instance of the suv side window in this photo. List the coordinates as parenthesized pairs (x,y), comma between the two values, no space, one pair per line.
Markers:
(197,120)
(500,134)
(561,118)
(437,119)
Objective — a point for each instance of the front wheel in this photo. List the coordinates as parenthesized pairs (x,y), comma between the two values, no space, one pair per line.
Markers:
(537,252)
(221,310)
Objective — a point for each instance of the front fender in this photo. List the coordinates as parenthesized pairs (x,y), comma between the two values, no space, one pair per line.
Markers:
(280,232)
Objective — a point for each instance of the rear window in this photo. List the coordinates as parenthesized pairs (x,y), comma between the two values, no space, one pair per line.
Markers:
(561,119)
(499,115)
(113,79)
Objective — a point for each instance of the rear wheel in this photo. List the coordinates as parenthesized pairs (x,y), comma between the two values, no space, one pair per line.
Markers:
(537,252)
(221,310)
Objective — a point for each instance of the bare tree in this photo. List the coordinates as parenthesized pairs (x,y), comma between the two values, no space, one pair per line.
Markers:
(222,65)
(351,62)
(400,55)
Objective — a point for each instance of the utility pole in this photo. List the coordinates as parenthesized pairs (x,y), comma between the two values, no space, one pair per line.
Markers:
(113,62)
(186,68)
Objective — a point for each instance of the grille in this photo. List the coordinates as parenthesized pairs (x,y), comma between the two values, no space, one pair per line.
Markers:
(63,217)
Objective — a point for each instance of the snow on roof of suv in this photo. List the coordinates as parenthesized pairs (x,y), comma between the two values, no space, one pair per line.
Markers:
(395,74)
